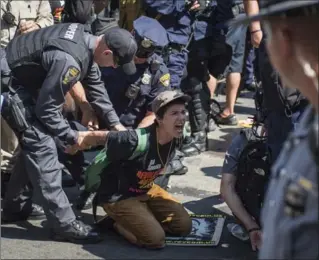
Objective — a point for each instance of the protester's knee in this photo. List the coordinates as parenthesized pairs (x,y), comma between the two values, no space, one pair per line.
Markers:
(183,226)
(153,239)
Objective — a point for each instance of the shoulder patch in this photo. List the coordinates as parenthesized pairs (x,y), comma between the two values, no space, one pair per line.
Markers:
(165,79)
(70,75)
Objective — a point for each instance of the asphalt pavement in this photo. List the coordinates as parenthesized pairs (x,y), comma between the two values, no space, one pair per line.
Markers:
(198,190)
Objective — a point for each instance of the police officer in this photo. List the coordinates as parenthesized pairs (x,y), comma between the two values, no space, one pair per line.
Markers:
(45,64)
(177,18)
(290,213)
(132,95)
(195,84)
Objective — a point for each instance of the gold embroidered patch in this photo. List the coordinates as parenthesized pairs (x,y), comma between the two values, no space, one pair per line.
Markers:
(165,79)
(70,76)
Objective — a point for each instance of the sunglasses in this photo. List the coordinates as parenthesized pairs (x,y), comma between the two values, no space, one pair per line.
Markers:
(116,60)
(145,53)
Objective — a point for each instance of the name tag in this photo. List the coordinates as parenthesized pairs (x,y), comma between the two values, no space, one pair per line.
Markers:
(70,32)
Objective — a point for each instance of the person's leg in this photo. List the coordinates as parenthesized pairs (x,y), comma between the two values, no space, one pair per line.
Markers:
(136,223)
(193,86)
(236,38)
(76,165)
(44,170)
(17,203)
(170,213)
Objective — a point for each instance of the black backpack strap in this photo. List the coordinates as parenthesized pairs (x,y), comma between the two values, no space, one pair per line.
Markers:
(94,207)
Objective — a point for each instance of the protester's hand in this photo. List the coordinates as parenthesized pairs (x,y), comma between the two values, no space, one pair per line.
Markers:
(28,26)
(194,6)
(119,127)
(256,37)
(255,239)
(89,119)
(82,143)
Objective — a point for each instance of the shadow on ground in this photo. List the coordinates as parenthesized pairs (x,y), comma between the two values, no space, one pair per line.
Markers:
(115,247)
(220,145)
(214,171)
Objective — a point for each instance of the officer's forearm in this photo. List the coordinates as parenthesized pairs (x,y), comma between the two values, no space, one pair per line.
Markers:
(252,8)
(79,96)
(99,98)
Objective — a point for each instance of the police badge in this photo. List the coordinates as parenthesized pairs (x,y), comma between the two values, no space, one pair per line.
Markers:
(146,43)
(146,78)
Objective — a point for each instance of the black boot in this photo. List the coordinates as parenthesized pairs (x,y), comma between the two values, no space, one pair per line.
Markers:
(194,144)
(176,166)
(36,213)
(84,201)
(76,232)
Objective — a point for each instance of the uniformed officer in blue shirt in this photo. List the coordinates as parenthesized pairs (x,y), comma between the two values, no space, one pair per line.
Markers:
(177,18)
(290,214)
(132,95)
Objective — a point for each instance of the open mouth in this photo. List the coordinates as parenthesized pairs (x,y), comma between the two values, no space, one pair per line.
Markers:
(179,128)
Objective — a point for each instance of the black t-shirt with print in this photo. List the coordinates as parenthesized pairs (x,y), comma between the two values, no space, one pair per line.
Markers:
(125,178)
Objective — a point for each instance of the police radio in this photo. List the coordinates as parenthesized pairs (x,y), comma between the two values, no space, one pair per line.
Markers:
(132,91)
(9,18)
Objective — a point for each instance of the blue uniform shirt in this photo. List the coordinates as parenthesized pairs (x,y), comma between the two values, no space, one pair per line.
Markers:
(174,18)
(290,213)
(151,83)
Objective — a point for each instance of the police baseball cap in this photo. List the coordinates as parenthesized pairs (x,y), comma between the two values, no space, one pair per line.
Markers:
(292,8)
(167,97)
(123,45)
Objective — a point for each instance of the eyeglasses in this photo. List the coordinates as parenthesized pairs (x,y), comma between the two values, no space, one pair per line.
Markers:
(116,60)
(145,52)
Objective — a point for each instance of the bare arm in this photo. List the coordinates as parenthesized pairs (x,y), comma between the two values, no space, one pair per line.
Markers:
(89,118)
(147,120)
(227,190)
(79,96)
(252,8)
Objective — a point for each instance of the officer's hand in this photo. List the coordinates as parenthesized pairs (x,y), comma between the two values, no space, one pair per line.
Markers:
(89,119)
(255,239)
(28,26)
(82,143)
(119,127)
(256,38)
(195,6)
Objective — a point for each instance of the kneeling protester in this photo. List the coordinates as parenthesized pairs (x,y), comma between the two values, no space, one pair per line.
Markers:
(123,175)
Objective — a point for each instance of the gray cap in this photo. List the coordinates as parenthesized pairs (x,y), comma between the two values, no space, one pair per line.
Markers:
(167,97)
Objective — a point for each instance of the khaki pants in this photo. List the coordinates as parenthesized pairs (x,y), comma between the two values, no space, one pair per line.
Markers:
(130,10)
(149,216)
(9,144)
